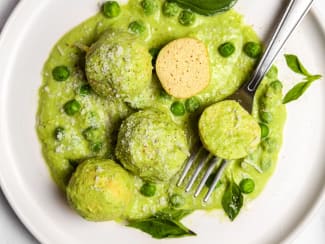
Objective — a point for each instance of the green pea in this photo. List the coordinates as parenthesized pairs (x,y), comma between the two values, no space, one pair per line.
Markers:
(137,27)
(148,189)
(247,186)
(192,104)
(170,9)
(276,85)
(59,133)
(226,49)
(266,116)
(272,73)
(111,9)
(85,90)
(253,49)
(186,18)
(91,134)
(264,130)
(61,73)
(177,200)
(149,6)
(96,146)
(177,108)
(72,107)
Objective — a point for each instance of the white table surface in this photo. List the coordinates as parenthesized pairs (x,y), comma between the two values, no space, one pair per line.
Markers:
(12,231)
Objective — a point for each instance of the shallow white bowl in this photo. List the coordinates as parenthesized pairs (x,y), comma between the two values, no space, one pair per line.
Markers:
(290,198)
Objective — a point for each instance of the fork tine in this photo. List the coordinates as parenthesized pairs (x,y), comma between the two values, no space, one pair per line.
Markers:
(194,156)
(197,171)
(212,165)
(216,179)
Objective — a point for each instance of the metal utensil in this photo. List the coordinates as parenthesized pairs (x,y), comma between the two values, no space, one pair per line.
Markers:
(290,19)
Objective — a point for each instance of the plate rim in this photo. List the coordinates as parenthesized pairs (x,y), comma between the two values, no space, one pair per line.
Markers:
(299,226)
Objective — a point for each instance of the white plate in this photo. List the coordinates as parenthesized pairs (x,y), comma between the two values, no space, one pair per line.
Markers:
(292,195)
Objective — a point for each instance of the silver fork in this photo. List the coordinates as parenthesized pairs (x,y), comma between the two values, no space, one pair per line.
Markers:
(291,17)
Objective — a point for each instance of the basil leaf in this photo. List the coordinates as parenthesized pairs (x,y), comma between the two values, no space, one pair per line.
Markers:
(174,214)
(299,89)
(206,7)
(232,200)
(161,227)
(295,65)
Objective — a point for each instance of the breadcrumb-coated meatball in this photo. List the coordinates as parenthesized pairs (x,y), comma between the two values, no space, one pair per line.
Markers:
(228,131)
(101,190)
(151,145)
(119,64)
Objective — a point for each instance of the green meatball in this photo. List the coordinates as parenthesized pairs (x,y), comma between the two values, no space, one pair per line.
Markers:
(170,9)
(186,18)
(228,131)
(151,146)
(101,190)
(119,65)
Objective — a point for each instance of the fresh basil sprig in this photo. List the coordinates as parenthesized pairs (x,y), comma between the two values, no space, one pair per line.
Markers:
(232,200)
(296,66)
(206,7)
(165,224)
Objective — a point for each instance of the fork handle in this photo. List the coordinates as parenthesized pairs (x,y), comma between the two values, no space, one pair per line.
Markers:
(291,17)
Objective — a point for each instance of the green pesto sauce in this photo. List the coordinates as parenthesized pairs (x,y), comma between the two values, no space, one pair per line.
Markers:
(106,114)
